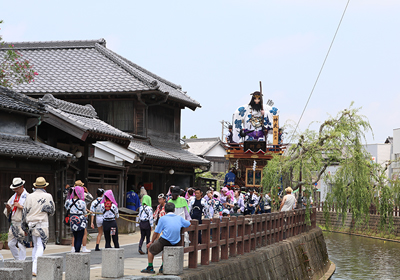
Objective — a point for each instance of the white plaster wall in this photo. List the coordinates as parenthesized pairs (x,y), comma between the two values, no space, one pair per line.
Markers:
(217,151)
(396,141)
(323,186)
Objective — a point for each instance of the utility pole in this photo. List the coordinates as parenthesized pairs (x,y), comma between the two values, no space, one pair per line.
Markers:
(299,200)
(222,132)
(225,124)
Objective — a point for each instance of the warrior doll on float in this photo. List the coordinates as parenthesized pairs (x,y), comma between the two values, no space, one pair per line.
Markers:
(253,121)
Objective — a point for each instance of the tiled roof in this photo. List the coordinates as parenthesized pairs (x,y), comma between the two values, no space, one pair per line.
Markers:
(15,101)
(201,146)
(162,151)
(24,146)
(84,117)
(76,67)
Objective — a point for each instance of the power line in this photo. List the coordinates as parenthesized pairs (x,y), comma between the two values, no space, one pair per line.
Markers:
(320,71)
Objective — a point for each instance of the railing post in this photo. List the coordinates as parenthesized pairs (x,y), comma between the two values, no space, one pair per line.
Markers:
(246,237)
(240,235)
(205,253)
(224,238)
(216,237)
(233,235)
(269,228)
(282,225)
(314,220)
(194,239)
(292,223)
(253,232)
(258,230)
(273,227)
(182,241)
(264,238)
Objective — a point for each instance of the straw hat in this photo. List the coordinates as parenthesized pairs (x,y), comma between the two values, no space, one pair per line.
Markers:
(40,183)
(79,183)
(17,182)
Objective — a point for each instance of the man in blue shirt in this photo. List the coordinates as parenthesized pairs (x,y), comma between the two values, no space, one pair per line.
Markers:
(132,200)
(230,178)
(170,225)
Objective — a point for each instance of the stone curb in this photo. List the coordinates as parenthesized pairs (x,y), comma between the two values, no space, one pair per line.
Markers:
(361,235)
(166,277)
(329,273)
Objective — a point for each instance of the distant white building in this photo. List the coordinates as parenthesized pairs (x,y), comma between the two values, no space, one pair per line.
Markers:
(380,153)
(212,149)
(394,171)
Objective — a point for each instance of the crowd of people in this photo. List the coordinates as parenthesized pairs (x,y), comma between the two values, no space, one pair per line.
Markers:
(28,215)
(178,207)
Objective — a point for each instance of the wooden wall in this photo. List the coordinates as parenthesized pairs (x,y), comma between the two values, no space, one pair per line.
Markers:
(164,123)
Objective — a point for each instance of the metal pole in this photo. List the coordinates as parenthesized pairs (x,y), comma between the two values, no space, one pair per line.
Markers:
(222,132)
(299,202)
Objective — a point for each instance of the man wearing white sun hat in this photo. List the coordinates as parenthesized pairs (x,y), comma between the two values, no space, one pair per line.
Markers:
(38,206)
(13,212)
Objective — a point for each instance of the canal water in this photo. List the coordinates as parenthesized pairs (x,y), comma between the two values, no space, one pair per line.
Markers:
(362,258)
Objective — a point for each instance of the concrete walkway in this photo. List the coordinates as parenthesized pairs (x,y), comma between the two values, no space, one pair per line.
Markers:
(134,262)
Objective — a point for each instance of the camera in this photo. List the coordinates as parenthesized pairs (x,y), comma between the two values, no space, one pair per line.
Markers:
(235,208)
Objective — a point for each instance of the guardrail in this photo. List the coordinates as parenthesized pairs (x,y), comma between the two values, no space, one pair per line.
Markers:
(372,209)
(238,235)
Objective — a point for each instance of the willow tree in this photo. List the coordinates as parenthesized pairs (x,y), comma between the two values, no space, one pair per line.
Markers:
(357,182)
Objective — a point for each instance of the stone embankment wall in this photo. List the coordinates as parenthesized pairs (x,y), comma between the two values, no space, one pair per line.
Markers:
(301,257)
(373,224)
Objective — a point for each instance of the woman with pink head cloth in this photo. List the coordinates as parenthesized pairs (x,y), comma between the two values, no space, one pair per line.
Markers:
(77,209)
(109,208)
(224,195)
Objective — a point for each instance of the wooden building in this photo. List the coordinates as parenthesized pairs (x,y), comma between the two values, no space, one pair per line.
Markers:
(20,156)
(211,149)
(124,95)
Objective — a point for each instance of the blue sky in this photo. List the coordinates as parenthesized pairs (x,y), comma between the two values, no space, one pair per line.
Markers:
(220,50)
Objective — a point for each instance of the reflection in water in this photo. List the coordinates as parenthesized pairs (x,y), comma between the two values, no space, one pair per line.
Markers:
(363,258)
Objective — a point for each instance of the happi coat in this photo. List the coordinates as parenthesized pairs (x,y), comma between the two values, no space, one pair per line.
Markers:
(15,230)
(35,217)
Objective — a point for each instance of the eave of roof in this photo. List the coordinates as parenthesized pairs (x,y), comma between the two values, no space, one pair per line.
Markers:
(18,102)
(167,153)
(23,146)
(80,121)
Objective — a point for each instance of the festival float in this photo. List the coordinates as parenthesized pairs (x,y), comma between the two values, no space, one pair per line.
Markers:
(249,149)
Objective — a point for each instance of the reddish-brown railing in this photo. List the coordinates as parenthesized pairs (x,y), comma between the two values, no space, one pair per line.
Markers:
(238,235)
(372,209)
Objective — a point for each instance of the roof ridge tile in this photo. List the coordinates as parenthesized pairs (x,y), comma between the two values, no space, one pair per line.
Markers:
(69,107)
(71,44)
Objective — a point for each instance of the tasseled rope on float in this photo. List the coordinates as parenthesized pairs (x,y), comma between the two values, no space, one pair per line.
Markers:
(126,215)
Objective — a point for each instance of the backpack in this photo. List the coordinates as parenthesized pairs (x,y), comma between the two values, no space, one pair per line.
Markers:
(67,215)
(107,205)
